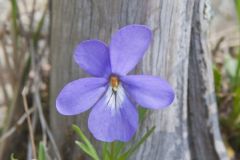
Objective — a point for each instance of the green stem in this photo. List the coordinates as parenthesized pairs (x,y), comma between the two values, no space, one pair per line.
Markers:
(112,151)
(105,151)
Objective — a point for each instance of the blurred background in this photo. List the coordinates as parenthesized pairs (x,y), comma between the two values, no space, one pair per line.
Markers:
(24,30)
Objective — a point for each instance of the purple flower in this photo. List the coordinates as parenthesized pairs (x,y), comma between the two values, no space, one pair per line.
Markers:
(112,93)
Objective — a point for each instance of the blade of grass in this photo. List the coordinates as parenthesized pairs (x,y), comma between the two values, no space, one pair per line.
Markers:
(118,148)
(128,153)
(85,148)
(14,13)
(217,79)
(236,104)
(142,113)
(6,54)
(237,4)
(39,28)
(85,140)
(105,152)
(14,31)
(112,153)
(237,74)
(41,152)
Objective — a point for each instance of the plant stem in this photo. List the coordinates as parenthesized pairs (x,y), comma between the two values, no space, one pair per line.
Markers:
(112,151)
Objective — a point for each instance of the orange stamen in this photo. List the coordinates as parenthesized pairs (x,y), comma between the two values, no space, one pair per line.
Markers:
(114,82)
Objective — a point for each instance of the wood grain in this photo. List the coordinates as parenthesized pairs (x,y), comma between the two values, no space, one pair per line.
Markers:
(204,133)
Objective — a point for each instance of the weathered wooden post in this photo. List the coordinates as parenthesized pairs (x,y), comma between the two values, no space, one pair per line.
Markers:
(186,130)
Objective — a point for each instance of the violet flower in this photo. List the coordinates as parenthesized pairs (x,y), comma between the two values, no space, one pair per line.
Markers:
(112,93)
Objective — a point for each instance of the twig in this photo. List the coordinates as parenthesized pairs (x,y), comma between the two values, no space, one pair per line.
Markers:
(24,93)
(3,104)
(37,100)
(5,52)
(32,16)
(24,34)
(25,6)
(14,128)
(29,150)
(2,84)
(34,123)
(7,60)
(224,33)
(44,124)
(216,48)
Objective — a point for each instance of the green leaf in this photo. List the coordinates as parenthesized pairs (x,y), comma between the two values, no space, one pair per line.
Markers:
(12,157)
(236,103)
(128,153)
(116,148)
(217,79)
(237,3)
(119,146)
(41,152)
(238,121)
(14,13)
(87,144)
(237,74)
(82,136)
(85,148)
(105,152)
(142,113)
(14,26)
(112,153)
(230,64)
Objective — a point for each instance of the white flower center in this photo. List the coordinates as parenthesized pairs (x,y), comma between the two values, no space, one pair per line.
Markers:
(115,94)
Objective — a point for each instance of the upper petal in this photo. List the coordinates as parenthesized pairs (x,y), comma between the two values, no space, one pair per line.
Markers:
(128,46)
(149,91)
(79,95)
(107,124)
(93,57)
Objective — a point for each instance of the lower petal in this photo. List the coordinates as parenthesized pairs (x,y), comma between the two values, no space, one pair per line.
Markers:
(110,125)
(80,95)
(149,91)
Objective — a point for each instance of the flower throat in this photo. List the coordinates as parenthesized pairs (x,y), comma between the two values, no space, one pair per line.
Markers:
(114,82)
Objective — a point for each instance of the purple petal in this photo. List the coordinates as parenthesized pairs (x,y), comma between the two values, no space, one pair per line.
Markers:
(149,91)
(93,57)
(80,95)
(108,124)
(128,46)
